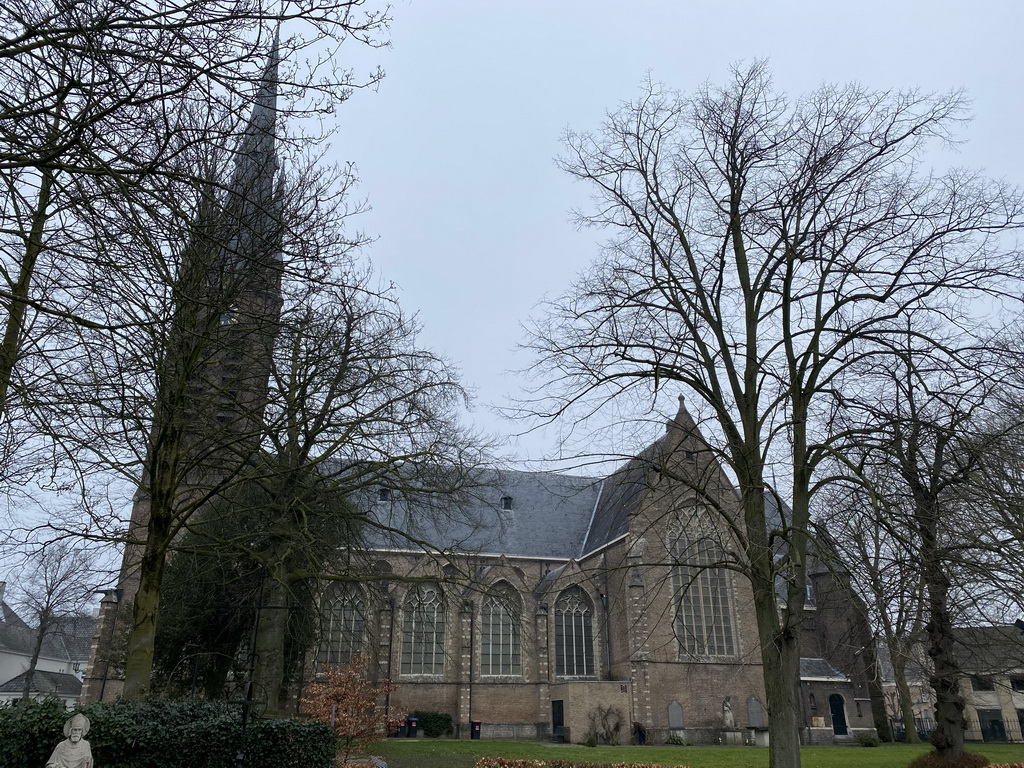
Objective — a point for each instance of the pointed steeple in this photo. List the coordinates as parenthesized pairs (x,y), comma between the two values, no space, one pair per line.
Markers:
(253,203)
(256,156)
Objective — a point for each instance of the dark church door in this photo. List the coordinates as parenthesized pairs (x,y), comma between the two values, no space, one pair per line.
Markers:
(838,709)
(557,720)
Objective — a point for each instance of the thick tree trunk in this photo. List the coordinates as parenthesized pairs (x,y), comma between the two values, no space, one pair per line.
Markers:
(270,642)
(138,671)
(781,659)
(948,736)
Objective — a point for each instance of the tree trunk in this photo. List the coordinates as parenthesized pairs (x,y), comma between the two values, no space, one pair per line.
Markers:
(138,671)
(270,641)
(948,736)
(11,344)
(781,659)
(899,670)
(37,647)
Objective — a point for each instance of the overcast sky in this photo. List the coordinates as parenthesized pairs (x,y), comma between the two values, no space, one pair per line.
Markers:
(455,150)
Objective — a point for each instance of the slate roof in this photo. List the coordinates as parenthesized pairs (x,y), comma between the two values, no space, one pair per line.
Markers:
(549,516)
(819,668)
(620,496)
(989,650)
(57,683)
(70,638)
(9,616)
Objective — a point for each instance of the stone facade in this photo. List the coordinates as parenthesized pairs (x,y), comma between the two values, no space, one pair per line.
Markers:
(620,553)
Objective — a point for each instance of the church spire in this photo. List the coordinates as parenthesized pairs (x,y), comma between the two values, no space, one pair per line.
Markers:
(256,156)
(253,204)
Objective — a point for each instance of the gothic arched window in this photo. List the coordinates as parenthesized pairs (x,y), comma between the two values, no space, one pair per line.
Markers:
(574,635)
(344,624)
(423,632)
(703,604)
(500,621)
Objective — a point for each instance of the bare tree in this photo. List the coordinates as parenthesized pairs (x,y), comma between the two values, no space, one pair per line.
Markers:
(759,247)
(55,583)
(98,99)
(355,403)
(925,442)
(883,569)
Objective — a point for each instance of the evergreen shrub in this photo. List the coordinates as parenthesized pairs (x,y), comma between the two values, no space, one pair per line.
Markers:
(29,730)
(164,734)
(868,739)
(435,724)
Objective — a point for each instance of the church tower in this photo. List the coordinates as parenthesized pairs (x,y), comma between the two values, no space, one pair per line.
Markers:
(212,378)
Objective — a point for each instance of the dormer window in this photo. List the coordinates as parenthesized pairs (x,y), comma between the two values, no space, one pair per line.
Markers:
(506,502)
(383,494)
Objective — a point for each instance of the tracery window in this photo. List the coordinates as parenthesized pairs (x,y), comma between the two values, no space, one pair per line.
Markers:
(344,624)
(703,601)
(574,636)
(500,622)
(423,632)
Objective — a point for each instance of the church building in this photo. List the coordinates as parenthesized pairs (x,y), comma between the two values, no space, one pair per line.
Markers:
(545,605)
(557,604)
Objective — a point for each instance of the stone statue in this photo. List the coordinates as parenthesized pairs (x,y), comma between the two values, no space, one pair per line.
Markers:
(727,716)
(74,751)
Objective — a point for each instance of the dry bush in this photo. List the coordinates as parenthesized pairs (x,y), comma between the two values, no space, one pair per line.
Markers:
(343,698)
(935,760)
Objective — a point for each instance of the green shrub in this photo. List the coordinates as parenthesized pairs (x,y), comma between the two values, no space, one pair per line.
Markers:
(868,739)
(435,724)
(164,734)
(935,760)
(29,730)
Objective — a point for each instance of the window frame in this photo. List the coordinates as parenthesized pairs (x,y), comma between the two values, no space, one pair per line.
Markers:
(424,625)
(574,602)
(501,620)
(704,609)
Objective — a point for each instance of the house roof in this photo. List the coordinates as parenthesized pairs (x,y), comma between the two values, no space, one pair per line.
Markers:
(69,638)
(989,650)
(55,683)
(9,616)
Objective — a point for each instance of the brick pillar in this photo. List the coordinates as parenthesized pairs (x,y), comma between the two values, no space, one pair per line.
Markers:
(464,672)
(98,682)
(388,666)
(544,671)
(973,729)
(639,634)
(1008,710)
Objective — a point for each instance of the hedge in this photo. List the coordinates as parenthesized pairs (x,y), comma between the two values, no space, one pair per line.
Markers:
(164,734)
(435,724)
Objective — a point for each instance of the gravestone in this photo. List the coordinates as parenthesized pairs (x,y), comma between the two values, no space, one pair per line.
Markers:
(675,716)
(755,713)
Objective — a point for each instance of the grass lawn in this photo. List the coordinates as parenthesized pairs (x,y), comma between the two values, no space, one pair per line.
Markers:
(444,753)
